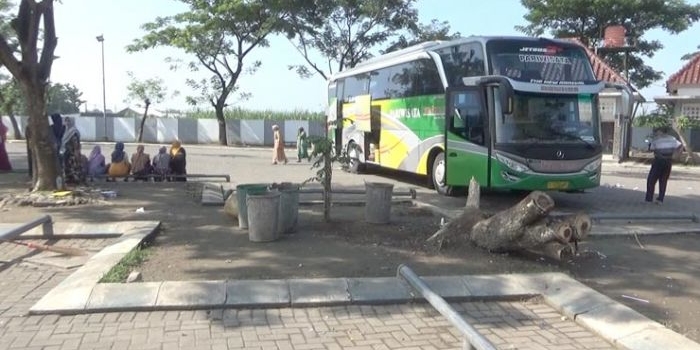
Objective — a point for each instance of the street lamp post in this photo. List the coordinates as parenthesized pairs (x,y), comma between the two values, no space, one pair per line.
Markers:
(101,39)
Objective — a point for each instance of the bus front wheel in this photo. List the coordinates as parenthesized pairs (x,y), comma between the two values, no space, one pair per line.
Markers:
(439,175)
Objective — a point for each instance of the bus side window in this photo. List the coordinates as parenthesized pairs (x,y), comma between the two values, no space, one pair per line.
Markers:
(475,127)
(468,120)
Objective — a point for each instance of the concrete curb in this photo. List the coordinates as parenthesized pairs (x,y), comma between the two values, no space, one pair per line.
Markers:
(613,322)
(73,294)
(81,293)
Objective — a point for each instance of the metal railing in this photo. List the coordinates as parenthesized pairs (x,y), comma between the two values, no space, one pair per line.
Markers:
(411,192)
(472,338)
(46,226)
(227,178)
(646,217)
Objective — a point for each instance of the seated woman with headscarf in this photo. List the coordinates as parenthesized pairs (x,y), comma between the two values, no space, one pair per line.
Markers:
(140,164)
(73,169)
(178,161)
(96,163)
(161,164)
(120,166)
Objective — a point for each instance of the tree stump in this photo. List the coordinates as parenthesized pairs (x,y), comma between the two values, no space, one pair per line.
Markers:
(524,226)
(504,230)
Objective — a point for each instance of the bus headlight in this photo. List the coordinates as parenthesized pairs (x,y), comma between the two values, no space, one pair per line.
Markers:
(517,166)
(593,166)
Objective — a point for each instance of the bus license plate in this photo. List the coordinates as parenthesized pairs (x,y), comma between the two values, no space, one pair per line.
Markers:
(557,185)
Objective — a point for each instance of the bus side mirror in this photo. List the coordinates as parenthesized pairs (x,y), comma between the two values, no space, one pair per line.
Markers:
(505,90)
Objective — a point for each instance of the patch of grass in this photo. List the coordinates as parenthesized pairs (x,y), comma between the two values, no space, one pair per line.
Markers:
(121,271)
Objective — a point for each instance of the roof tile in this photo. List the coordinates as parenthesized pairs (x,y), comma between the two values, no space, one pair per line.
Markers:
(688,75)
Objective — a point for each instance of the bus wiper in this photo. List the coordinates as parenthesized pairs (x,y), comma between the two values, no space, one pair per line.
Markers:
(571,136)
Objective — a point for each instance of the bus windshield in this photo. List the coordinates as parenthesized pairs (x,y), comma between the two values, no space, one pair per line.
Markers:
(545,118)
(541,62)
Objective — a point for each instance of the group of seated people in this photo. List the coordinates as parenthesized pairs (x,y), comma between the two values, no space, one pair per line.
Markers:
(166,165)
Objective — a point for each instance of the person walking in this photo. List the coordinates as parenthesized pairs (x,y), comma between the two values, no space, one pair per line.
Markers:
(278,155)
(302,145)
(664,147)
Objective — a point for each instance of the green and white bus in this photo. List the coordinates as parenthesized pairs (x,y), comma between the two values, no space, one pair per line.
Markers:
(512,112)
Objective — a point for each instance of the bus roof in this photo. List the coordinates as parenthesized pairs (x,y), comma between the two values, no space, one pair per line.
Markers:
(424,47)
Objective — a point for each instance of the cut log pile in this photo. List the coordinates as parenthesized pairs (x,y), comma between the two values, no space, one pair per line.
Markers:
(524,226)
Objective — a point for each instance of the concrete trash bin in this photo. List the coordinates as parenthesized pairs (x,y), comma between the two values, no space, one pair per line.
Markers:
(263,211)
(378,206)
(289,207)
(242,192)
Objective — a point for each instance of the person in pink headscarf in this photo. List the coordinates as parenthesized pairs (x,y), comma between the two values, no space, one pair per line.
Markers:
(4,159)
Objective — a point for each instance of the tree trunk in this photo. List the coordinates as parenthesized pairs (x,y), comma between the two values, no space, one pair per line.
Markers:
(554,250)
(524,226)
(328,170)
(580,225)
(15,126)
(692,158)
(542,232)
(143,122)
(43,149)
(505,228)
(462,224)
(223,139)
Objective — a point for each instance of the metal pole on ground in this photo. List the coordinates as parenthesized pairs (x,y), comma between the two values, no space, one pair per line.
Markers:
(45,222)
(473,339)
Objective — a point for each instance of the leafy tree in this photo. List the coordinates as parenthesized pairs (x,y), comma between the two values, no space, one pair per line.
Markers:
(146,91)
(64,99)
(31,67)
(345,31)
(220,35)
(587,20)
(435,30)
(325,154)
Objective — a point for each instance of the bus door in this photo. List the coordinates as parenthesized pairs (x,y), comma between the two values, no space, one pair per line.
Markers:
(466,139)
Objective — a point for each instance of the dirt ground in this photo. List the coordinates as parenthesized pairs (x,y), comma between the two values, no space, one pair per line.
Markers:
(202,243)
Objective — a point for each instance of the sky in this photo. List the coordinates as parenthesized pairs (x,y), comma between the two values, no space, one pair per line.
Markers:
(273,86)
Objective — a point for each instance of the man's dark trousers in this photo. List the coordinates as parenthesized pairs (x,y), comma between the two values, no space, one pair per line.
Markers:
(660,171)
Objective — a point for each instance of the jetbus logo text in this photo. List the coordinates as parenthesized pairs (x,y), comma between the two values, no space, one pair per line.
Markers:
(547,50)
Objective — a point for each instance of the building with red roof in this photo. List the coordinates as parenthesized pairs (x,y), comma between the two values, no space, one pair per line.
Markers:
(683,88)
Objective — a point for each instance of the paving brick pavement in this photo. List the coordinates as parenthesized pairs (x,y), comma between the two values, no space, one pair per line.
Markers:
(528,324)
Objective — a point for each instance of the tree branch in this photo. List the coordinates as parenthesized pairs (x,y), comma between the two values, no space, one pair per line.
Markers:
(27,30)
(8,59)
(50,41)
(305,53)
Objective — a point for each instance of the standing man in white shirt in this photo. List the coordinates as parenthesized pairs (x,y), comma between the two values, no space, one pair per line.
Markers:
(664,147)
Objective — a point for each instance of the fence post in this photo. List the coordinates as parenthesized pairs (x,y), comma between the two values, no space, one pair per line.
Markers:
(47,227)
